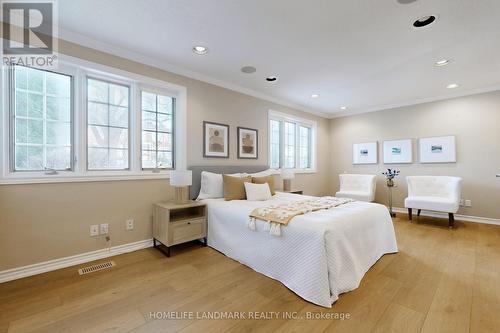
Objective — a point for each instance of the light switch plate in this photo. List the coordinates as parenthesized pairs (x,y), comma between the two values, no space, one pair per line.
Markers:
(104,228)
(94,230)
(129,224)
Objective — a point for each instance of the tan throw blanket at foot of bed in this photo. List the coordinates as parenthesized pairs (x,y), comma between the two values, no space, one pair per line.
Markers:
(277,215)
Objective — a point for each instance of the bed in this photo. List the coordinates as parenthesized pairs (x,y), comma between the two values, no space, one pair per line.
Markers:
(319,255)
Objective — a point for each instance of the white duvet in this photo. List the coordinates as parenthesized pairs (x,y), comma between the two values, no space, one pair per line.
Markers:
(319,255)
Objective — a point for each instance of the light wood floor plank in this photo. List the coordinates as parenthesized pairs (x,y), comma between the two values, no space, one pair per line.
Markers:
(440,281)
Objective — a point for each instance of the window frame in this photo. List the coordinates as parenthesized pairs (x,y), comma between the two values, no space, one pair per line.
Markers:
(167,93)
(79,70)
(282,118)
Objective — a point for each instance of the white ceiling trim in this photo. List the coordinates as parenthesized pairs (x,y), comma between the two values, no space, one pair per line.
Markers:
(464,93)
(146,60)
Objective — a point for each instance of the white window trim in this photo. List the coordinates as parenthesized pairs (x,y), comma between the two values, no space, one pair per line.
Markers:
(280,116)
(80,172)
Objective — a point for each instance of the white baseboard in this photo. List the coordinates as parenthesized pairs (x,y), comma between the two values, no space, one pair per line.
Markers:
(51,265)
(467,218)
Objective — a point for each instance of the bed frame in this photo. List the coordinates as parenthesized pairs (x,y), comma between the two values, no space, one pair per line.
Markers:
(194,190)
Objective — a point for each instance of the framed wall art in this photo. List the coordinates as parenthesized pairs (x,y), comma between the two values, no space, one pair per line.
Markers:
(398,151)
(248,143)
(215,140)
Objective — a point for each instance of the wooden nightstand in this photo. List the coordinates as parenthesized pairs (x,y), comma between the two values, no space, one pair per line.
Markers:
(293,191)
(176,223)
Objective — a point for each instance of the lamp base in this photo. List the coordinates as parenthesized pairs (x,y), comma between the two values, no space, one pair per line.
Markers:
(287,185)
(181,195)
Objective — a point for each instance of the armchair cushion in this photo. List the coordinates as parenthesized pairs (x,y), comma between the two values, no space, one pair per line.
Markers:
(357,187)
(437,193)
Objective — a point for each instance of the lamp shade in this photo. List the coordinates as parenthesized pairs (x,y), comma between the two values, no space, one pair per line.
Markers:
(287,174)
(180,178)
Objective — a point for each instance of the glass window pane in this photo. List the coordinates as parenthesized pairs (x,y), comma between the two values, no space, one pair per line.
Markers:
(97,136)
(58,158)
(58,85)
(21,131)
(164,141)
(157,128)
(59,108)
(118,95)
(289,145)
(35,105)
(149,159)
(35,158)
(35,80)
(118,116)
(97,114)
(118,138)
(118,158)
(149,121)
(108,107)
(21,103)
(35,131)
(165,104)
(164,122)
(149,140)
(165,159)
(98,158)
(97,91)
(148,101)
(21,160)
(58,133)
(42,119)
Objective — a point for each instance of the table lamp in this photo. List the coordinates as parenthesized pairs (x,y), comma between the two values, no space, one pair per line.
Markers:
(287,175)
(181,179)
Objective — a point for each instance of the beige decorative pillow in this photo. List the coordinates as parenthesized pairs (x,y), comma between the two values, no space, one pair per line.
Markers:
(267,179)
(234,187)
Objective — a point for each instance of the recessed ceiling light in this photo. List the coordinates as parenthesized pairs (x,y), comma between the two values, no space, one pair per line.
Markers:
(343,108)
(452,86)
(271,78)
(248,69)
(443,62)
(200,50)
(424,21)
(314,95)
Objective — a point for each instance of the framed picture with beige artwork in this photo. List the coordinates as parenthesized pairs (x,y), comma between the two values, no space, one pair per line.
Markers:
(215,140)
(248,140)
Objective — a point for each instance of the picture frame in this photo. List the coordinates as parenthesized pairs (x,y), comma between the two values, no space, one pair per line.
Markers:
(398,151)
(365,153)
(440,149)
(248,143)
(215,140)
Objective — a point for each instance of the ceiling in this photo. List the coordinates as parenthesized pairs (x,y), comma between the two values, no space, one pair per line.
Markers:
(363,54)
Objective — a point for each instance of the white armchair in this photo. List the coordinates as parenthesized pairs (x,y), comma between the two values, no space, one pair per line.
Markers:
(357,187)
(436,193)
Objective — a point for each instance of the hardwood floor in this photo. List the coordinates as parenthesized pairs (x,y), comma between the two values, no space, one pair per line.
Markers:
(441,281)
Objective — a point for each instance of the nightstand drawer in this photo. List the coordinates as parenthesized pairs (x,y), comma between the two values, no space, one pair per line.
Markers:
(188,230)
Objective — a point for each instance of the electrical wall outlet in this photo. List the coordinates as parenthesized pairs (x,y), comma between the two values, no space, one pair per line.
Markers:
(468,203)
(104,228)
(94,230)
(129,224)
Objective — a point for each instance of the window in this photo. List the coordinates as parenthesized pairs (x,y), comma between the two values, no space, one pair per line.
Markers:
(157,130)
(291,142)
(41,115)
(107,125)
(88,122)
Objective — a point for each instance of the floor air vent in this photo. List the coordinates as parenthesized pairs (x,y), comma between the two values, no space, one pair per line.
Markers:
(96,267)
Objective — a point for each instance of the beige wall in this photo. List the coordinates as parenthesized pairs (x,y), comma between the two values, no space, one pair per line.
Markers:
(475,120)
(40,222)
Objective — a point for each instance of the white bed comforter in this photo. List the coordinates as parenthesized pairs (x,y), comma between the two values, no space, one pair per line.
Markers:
(318,256)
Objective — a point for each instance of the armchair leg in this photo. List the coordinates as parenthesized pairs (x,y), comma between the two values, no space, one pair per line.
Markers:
(418,212)
(451,220)
(410,215)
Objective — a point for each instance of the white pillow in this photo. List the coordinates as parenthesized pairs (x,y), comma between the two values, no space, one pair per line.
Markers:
(265,173)
(211,186)
(257,192)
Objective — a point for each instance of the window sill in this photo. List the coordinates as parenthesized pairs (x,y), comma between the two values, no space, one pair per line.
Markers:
(80,179)
(297,171)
